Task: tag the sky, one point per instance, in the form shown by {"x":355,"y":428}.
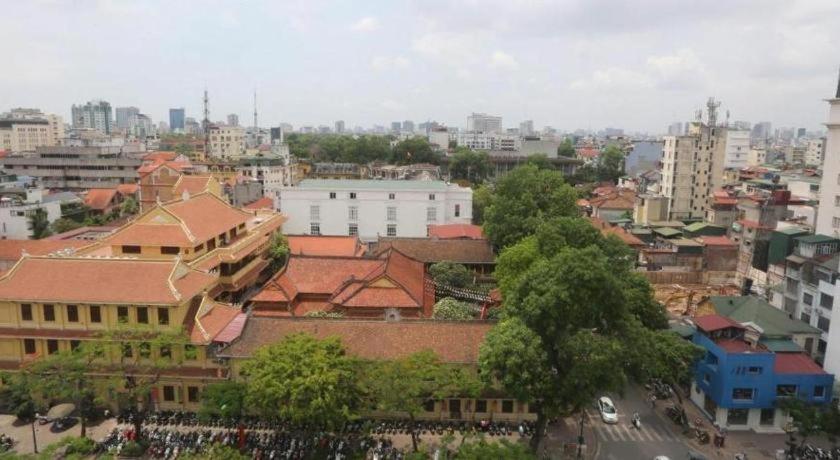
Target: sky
{"x":590,"y":64}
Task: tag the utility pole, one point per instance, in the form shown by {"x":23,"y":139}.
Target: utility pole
{"x":206,"y":123}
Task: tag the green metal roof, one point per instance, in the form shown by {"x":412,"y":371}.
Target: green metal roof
{"x":684,"y":330}
{"x":781,"y":345}
{"x":350,"y":185}
{"x":697,"y":226}
{"x":748,"y":309}
{"x":667,"y":223}
{"x":667,"y":232}
{"x":792,"y":230}
{"x":816,"y":239}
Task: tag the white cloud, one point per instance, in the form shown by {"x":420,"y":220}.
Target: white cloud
{"x":365,"y":24}
{"x":392,"y":105}
{"x":612,"y":78}
{"x":382,"y":63}
{"x":502,"y":60}
{"x":681,"y":70}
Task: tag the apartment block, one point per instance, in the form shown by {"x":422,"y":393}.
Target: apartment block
{"x":828,"y":218}
{"x":226,"y":142}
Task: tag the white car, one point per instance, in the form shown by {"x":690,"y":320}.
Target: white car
{"x":661,"y":457}
{"x":607,"y":410}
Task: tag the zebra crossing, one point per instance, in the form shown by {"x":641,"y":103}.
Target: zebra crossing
{"x":625,"y":432}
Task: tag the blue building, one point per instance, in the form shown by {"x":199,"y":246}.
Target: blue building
{"x":176,"y":119}
{"x":739,"y":381}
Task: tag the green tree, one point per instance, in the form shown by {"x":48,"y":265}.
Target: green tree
{"x":66,"y":376}
{"x":452,"y":309}
{"x":451,"y":274}
{"x":129,"y":206}
{"x":279,"y":250}
{"x":540,"y":160}
{"x":217,"y":451}
{"x":403,"y":385}
{"x":807,"y":420}
{"x":303,"y":379}
{"x":184,"y":148}
{"x":499,"y":450}
{"x":566,"y":149}
{"x":225,"y":399}
{"x":16,"y":397}
{"x":415,"y":150}
{"x":522,"y":200}
{"x":514,"y":261}
{"x":469,"y":165}
{"x":610,"y":164}
{"x":40,"y":223}
{"x":585,"y":174}
{"x":65,"y":225}
{"x":482,"y":198}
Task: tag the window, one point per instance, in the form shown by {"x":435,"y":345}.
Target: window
{"x":165,"y":352}
{"x":332,"y":195}
{"x":131,"y":249}
{"x":392,"y":196}
{"x":429,"y":405}
{"x":835,"y":222}
{"x":26,"y":312}
{"x":145,"y":350}
{"x":74,"y":344}
{"x":837,"y":200}
{"x":707,"y":378}
{"x":742,"y":394}
{"x":807,"y":299}
{"x":457,"y":210}
{"x":353,"y":229}
{"x":127,"y":351}
{"x":143,"y":315}
{"x":391,"y":213}
{"x":352,"y":195}
{"x":785,"y":390}
{"x":190,"y":352}
{"x":754,"y":370}
{"x":95,"y":314}
{"x":768,"y":417}
{"x":315,"y":213}
{"x":806,"y":318}
{"x":431,"y":197}
{"x":122,"y":314}
{"x":737,"y":416}
{"x":353,"y":213}
{"x":198,"y":248}
{"x":819,"y":392}
{"x":823,"y":323}
{"x":507,"y":406}
{"x":170,"y":250}
{"x":163,"y":316}
{"x":29,"y":346}
{"x":192,"y":394}
{"x":481,"y":405}
{"x":826,"y":301}
{"x":49,"y":312}
{"x":168,"y":393}
{"x":314,"y":228}
{"x":52,"y":346}
{"x":711,"y":358}
{"x":431,"y":214}
{"x":72,"y":314}
{"x":392,"y":230}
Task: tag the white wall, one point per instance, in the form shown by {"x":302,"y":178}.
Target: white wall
{"x":737,"y":149}
{"x":14,"y":220}
{"x":372,"y":207}
{"x":828,"y":218}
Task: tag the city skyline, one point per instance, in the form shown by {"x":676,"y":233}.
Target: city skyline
{"x":313,"y":63}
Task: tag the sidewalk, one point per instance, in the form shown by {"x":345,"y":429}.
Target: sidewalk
{"x":22,"y":434}
{"x":565,"y":432}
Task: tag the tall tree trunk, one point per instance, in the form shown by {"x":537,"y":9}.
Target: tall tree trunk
{"x":80,"y":405}
{"x":413,"y":432}
{"x":539,"y":428}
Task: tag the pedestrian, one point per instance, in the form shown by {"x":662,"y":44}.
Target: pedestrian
{"x":652,"y":401}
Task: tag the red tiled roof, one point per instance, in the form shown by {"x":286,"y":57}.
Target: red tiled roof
{"x":456,"y":231}
{"x":211,"y":323}
{"x":433,"y":250}
{"x":746,"y":223}
{"x":619,"y":199}
{"x":263,"y":203}
{"x":711,"y":323}
{"x":103,"y":281}
{"x":12,"y":250}
{"x":336,"y":246}
{"x":607,"y":229}
{"x":100,"y":198}
{"x":193,"y":185}
{"x":128,"y":189}
{"x":161,"y":156}
{"x":453,"y":342}
{"x":796,"y":363}
{"x":716,"y":241}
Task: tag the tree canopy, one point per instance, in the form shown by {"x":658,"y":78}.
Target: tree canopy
{"x":452,"y":309}
{"x":451,"y":274}
{"x":469,"y":165}
{"x":566,"y":149}
{"x":610,"y":164}
{"x":303,"y":379}
{"x":522,"y":200}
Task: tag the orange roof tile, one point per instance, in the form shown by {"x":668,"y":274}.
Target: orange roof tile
{"x":67,"y":280}
{"x":193,"y":185}
{"x":263,"y":203}
{"x":162,"y":155}
{"x":212,"y":321}
{"x":456,"y":231}
{"x":100,"y":198}
{"x":337,"y":246}
{"x":620,"y":199}
{"x":128,"y":189}
{"x":12,"y":250}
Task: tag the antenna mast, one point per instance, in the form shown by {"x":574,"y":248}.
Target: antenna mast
{"x":206,"y":123}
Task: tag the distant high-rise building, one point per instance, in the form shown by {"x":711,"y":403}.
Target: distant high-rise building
{"x":94,"y":115}
{"x":800,"y":133}
{"x":339,"y":126}
{"x":613,"y":132}
{"x":526,"y":128}
{"x":233,"y":119}
{"x":163,"y":127}
{"x":742,"y":125}
{"x":484,"y":123}
{"x":815,"y":152}
{"x":177,"y":120}
{"x":126,"y":117}
{"x":408,"y":126}
{"x":675,"y":129}
{"x":762,"y":130}
{"x":396,"y":126}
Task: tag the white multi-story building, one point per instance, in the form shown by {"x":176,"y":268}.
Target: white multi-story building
{"x":95,"y":115}
{"x":815,"y":152}
{"x":439,"y":137}
{"x":23,"y":130}
{"x":372,"y":208}
{"x":484,"y":123}
{"x":737,"y":149}
{"x":488,"y":141}
{"x":227,"y":141}
{"x":526,"y":128}
{"x":16,"y":215}
{"x":828,"y":217}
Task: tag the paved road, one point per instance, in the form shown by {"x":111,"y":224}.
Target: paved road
{"x":622,"y":441}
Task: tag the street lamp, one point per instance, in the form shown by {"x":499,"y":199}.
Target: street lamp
{"x":34,"y":439}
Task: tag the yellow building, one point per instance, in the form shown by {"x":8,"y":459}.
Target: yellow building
{"x":25,"y":134}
